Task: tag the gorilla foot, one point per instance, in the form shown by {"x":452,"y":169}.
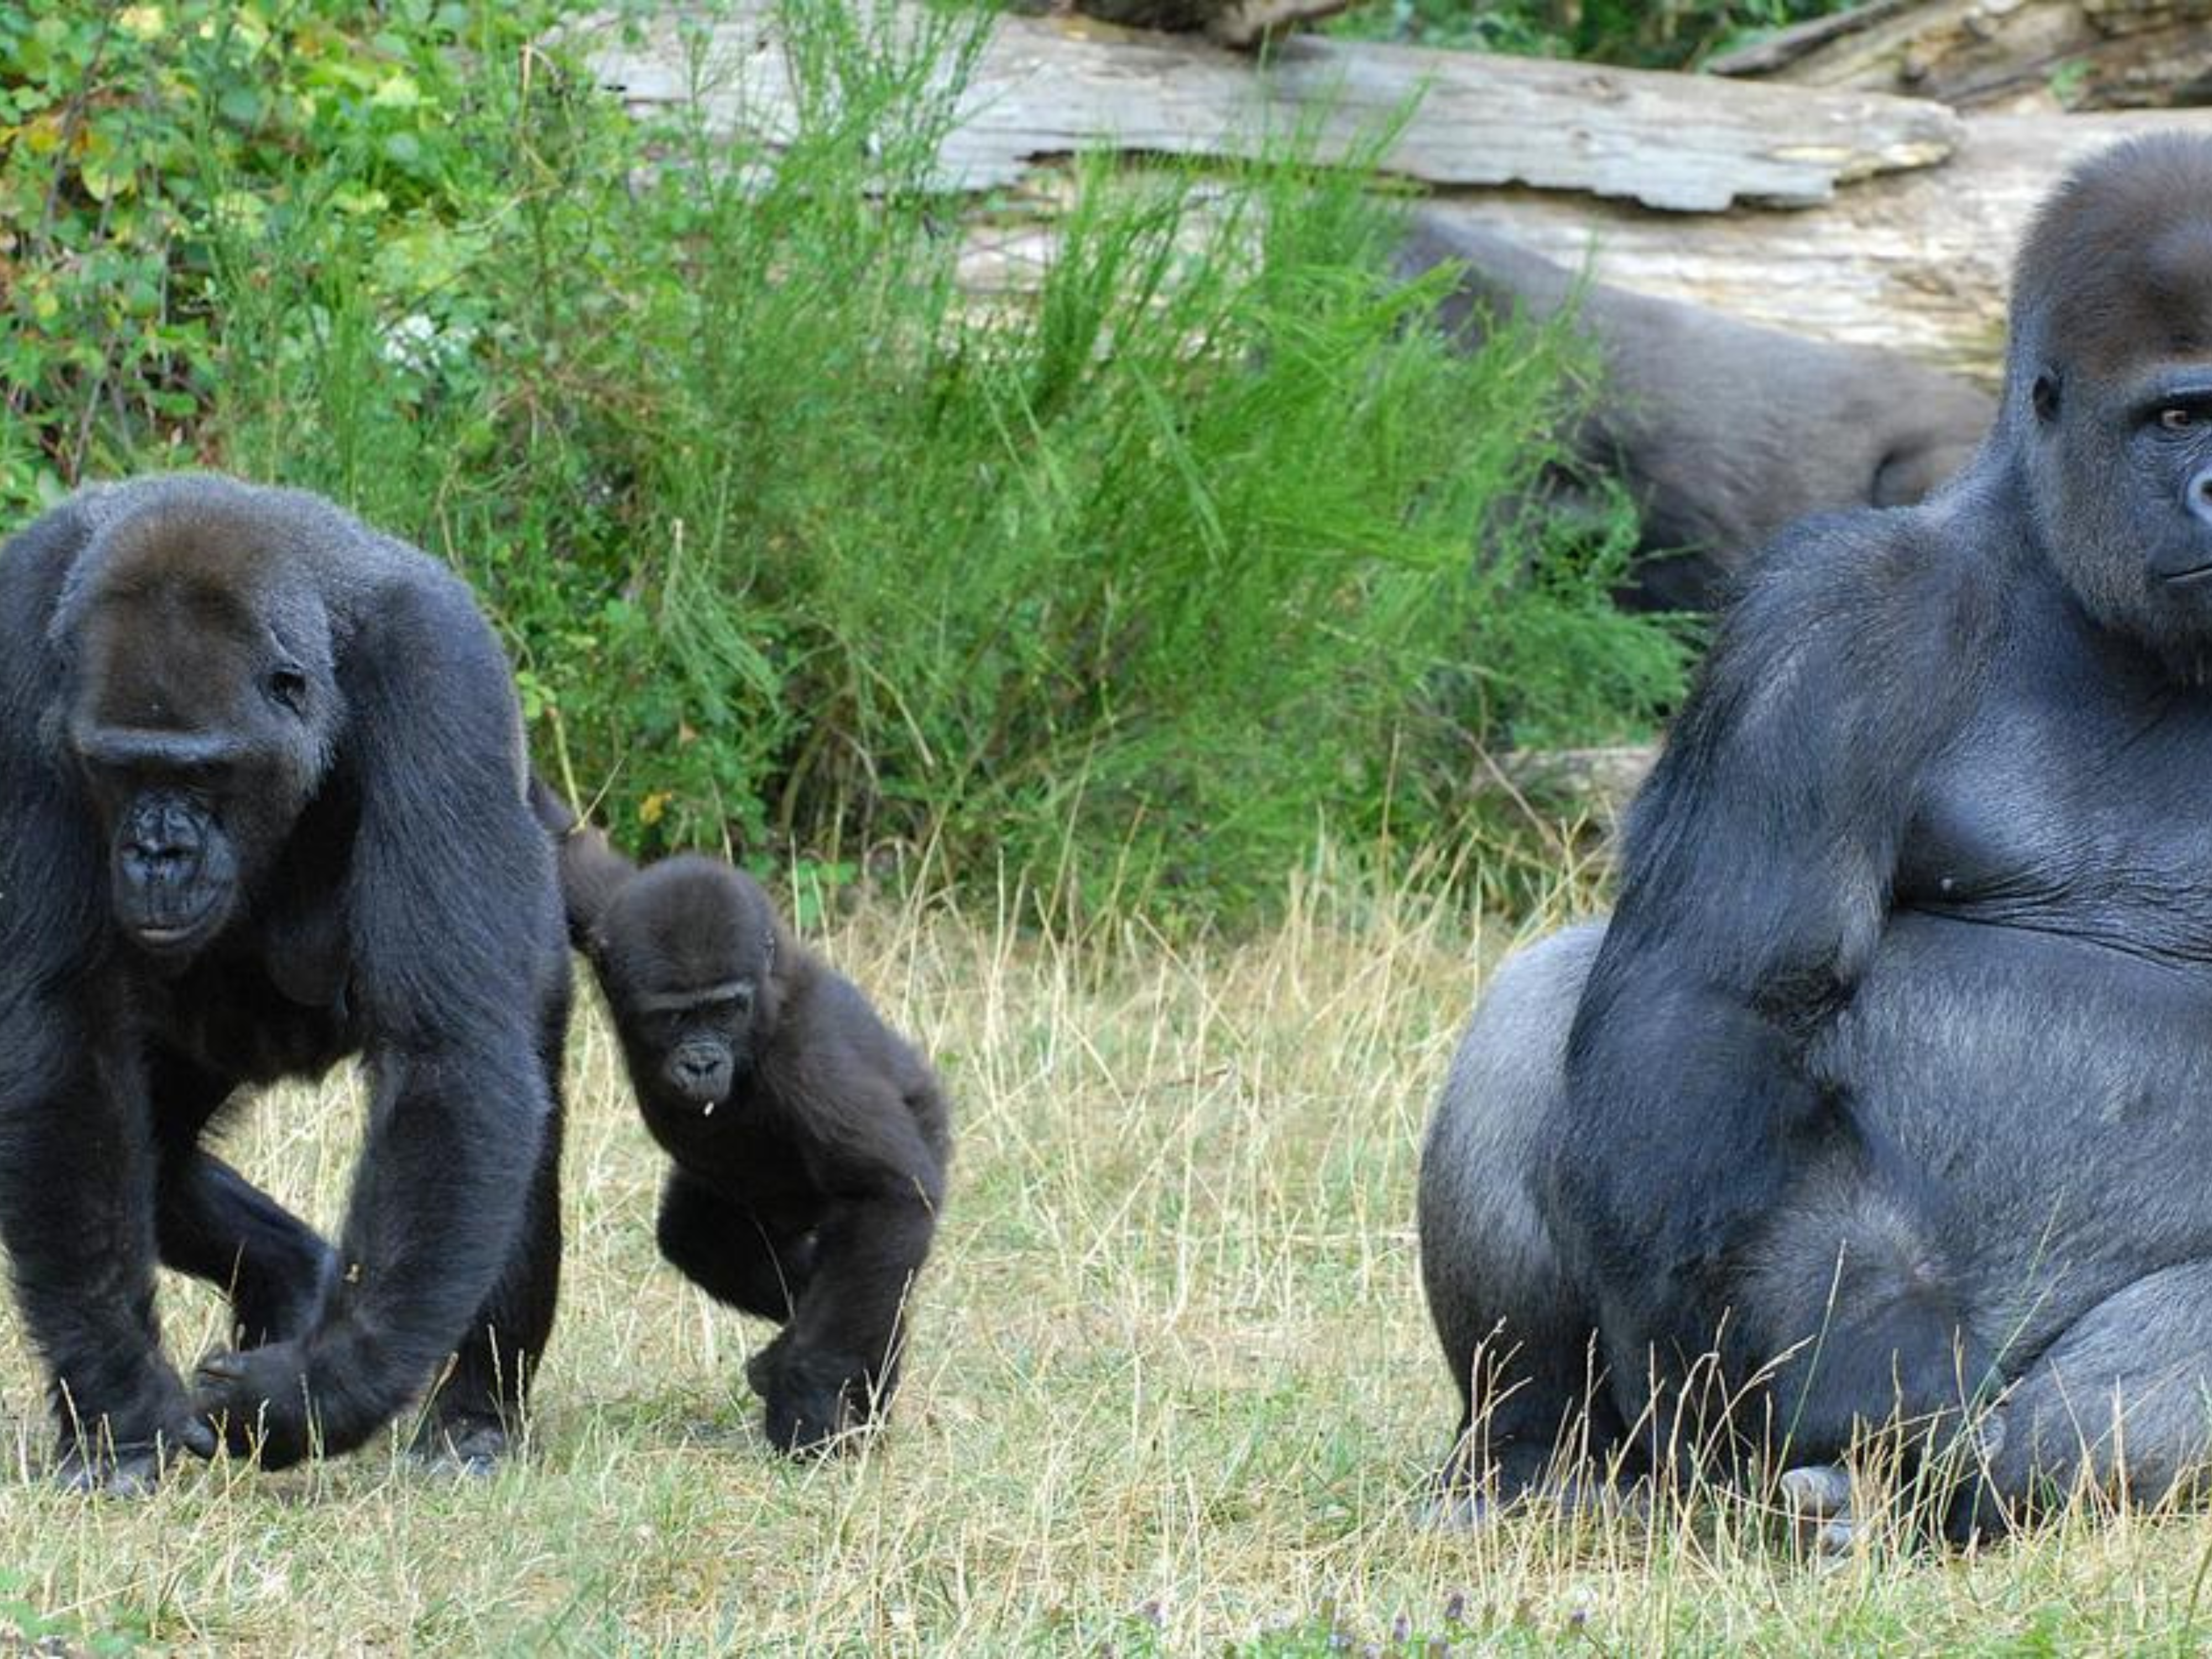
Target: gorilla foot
{"x":1462,"y":1501}
{"x":470,"y":1444}
{"x":1818,"y":1498}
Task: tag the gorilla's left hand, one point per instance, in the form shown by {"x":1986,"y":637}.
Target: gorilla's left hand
{"x":260,"y":1400}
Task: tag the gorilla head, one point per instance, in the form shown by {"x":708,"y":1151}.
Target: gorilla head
{"x":688,"y":948}
{"x":201,"y":711}
{"x":2108,"y":400}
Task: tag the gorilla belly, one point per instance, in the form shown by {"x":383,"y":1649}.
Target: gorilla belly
{"x":2054,"y":1096}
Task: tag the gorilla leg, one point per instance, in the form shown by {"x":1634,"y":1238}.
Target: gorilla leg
{"x":1521,"y":1339}
{"x":216,"y":1225}
{"x":2121,"y":1403}
{"x":212,"y":1223}
{"x":728,"y":1251}
{"x":77,"y":1176}
{"x":478,"y":1408}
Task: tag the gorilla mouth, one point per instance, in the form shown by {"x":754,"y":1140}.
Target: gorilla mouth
{"x":2189,"y":578}
{"x":702,"y":1101}
{"x":168,"y":938}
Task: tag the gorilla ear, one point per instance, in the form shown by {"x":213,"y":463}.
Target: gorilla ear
{"x":2044,"y":395}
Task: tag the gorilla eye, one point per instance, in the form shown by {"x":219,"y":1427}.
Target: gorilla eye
{"x":288,"y":687}
{"x":2178,"y":419}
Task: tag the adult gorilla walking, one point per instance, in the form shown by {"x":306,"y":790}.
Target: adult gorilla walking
{"x":261,"y":806}
{"x":1889,"y":1079}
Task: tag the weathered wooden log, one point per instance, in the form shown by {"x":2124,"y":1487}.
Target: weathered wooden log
{"x":2018,"y":56}
{"x":1048,"y":86}
{"x":1919,"y":262}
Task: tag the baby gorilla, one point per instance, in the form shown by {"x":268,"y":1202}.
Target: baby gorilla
{"x":809,"y":1140}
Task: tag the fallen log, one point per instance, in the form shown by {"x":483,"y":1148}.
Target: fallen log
{"x":2016,"y":56}
{"x":1919,"y":262}
{"x":1047,"y":87}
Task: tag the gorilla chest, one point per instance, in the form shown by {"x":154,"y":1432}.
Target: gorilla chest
{"x":237,"y":1019}
{"x":2077,"y":811}
{"x":742,"y":1149}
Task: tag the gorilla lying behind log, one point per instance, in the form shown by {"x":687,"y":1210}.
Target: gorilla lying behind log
{"x":262,"y":807}
{"x":809,"y":1141}
{"x":1887,"y":1081}
{"x":1722,"y":431}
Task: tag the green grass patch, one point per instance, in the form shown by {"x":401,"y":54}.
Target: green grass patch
{"x":1171,"y":1390}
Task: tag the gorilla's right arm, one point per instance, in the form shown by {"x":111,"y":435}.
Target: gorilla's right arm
{"x":1755,"y":882}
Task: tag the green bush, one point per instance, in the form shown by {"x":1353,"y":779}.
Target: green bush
{"x":1671,"y":34}
{"x":1120,"y":597}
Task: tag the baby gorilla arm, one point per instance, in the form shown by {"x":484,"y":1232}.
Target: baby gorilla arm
{"x":835,"y":1365}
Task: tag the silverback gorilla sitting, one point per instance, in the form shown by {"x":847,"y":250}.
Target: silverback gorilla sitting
{"x":261,"y":807}
{"x":1891,"y":1070}
{"x":809,"y":1140}
{"x":1724,"y":432}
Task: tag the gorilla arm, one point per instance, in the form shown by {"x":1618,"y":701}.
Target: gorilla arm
{"x":72,"y":1133}
{"x":884,"y":1184}
{"x":591,"y":870}
{"x":1755,"y":884}
{"x":449,"y":893}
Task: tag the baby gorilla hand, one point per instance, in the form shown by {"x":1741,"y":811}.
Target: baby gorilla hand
{"x":814,"y":1400}
{"x":260,"y":1401}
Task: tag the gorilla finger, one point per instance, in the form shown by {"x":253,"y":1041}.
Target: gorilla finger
{"x":1835,"y":1541}
{"x":470,"y":1444}
{"x":1816,"y":1491}
{"x":219,"y":1371}
{"x":196,"y":1435}
{"x":127,"y":1475}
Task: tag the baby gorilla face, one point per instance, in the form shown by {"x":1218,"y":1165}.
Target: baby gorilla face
{"x":689,"y":945}
{"x":699,"y":1036}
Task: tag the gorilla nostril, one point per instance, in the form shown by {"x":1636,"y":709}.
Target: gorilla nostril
{"x":2200,"y":496}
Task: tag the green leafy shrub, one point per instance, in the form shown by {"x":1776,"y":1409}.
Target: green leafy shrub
{"x":1121,"y":596}
{"x":1672,"y":35}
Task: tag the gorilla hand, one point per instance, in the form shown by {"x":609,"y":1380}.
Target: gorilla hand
{"x":262,"y":1402}
{"x":125,"y":1456}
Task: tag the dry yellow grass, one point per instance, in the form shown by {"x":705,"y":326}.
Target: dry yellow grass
{"x":1172,"y":1386}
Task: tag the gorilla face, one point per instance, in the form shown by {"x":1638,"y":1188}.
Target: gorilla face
{"x":698,"y":1035}
{"x":200,"y":736}
{"x":2128,"y":505}
{"x":2112,"y":372}
{"x":689,"y":945}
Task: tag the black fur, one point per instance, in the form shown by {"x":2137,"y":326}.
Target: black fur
{"x":1889,"y":1070}
{"x":1723,"y":432}
{"x":262,"y":807}
{"x":809,"y":1141}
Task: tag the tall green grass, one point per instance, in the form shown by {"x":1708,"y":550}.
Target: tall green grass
{"x":1119,"y":593}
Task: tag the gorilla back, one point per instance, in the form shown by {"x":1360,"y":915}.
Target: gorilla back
{"x":1892,"y":1058}
{"x":262,"y":807}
